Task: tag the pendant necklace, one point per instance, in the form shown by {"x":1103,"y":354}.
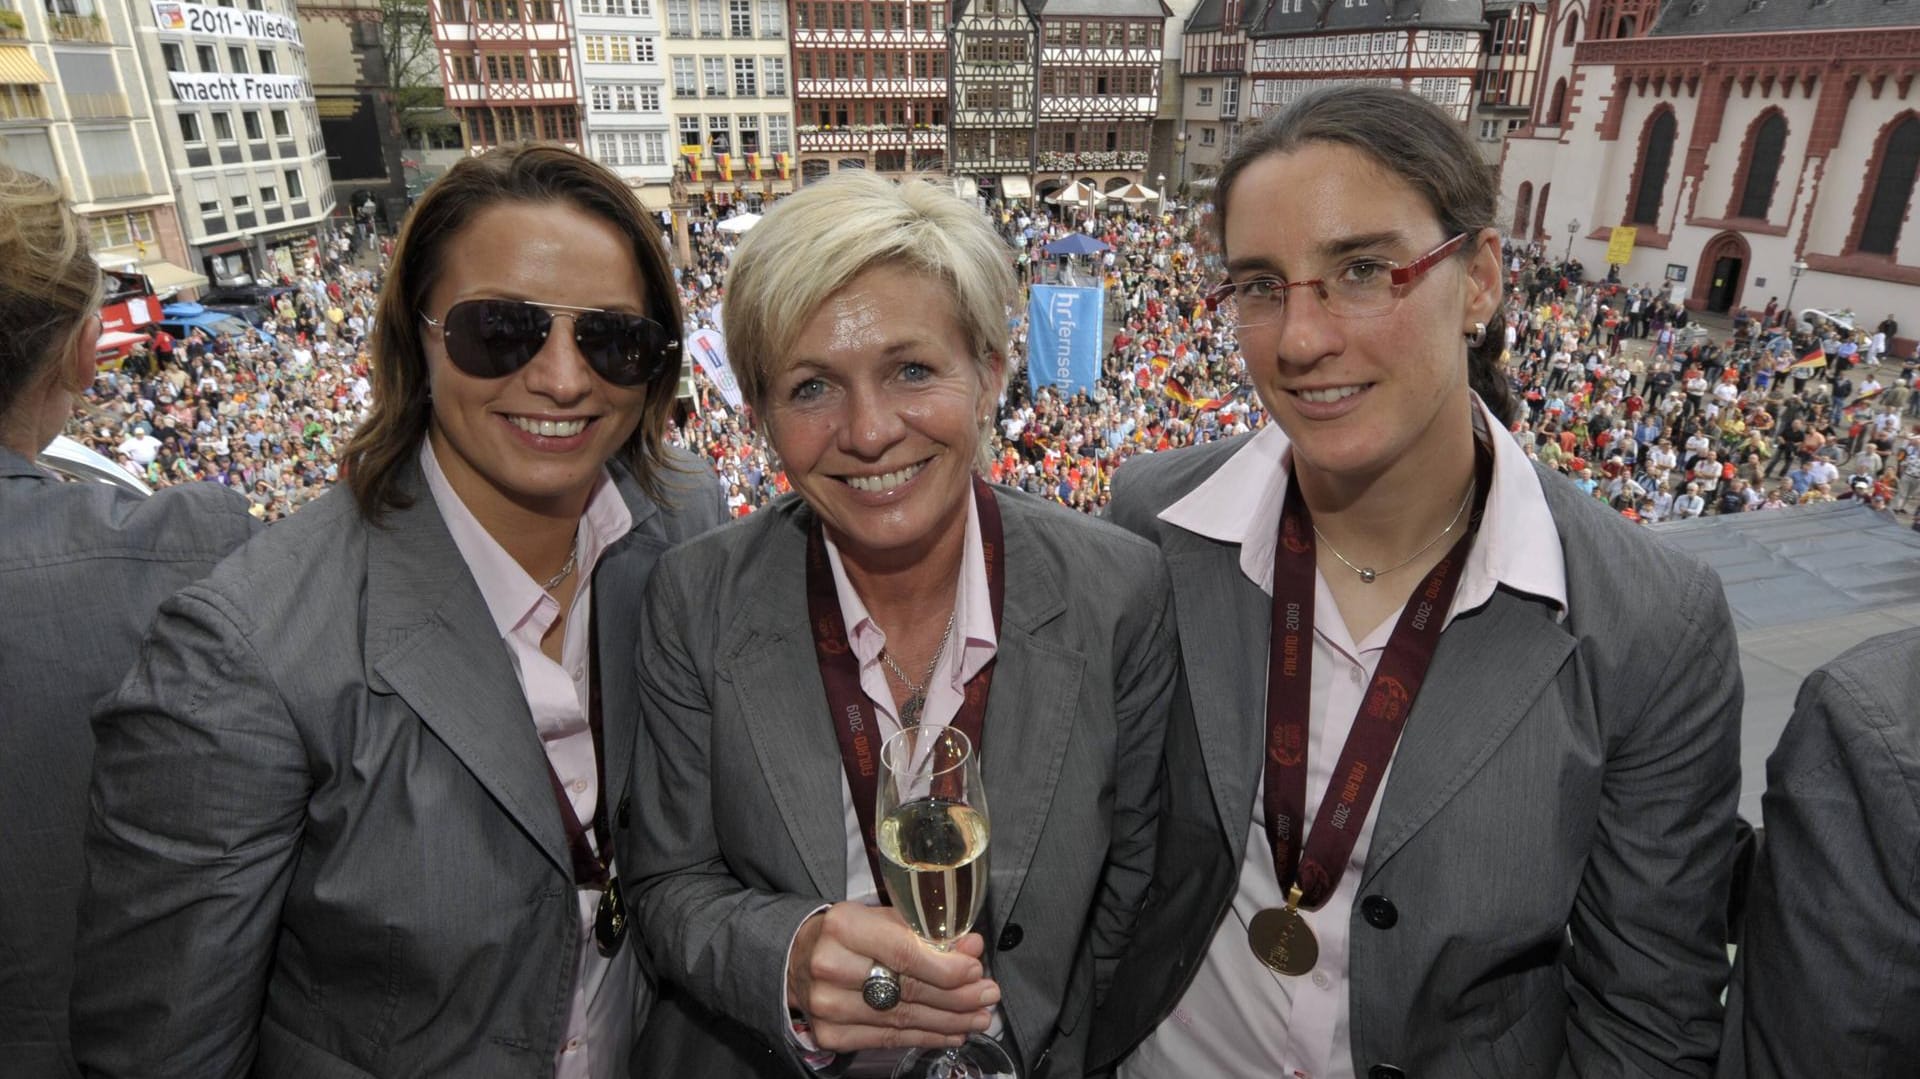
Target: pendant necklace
{"x":573,"y":556}
{"x":1368,"y":574}
{"x":917,"y":691}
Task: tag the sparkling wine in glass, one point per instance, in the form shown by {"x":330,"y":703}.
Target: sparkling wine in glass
{"x":933,"y":835}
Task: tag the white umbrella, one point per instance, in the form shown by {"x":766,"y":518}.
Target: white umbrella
{"x":1135,"y":194}
{"x":739,"y":222}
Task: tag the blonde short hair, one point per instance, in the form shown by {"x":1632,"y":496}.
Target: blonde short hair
{"x":810,"y":245}
{"x":49,"y":283}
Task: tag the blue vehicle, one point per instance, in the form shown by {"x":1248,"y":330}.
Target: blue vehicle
{"x":181,"y":319}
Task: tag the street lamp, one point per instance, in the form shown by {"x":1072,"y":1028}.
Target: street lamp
{"x":1799,"y":267}
{"x":1160,"y":190}
{"x":1572,"y":227}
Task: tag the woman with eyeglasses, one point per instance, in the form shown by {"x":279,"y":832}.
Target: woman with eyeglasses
{"x":1451,"y":777}
{"x":353,"y":811}
{"x":82,"y":568}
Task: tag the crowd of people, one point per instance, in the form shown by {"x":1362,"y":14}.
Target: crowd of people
{"x":1624,"y":390}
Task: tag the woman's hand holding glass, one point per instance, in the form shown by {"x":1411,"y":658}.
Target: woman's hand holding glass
{"x":944,"y":995}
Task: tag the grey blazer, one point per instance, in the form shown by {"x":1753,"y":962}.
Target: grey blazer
{"x":82,"y":569}
{"x":1828,"y":979}
{"x":323,"y":840}
{"x":1546,"y":890}
{"x":739,"y":832}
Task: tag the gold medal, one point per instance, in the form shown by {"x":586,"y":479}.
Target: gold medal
{"x":1282,"y":939}
{"x":610,"y":921}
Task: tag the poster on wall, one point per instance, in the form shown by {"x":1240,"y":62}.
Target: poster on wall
{"x":179,"y":17}
{"x":240,"y":89}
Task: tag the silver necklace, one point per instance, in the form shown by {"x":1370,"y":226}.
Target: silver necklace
{"x":1368,"y":574}
{"x":917,"y":691}
{"x":573,"y":556}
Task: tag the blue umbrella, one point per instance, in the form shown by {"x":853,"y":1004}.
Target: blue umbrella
{"x":1075,"y":244}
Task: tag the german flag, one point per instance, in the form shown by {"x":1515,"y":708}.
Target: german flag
{"x":1813,"y":360}
{"x":783,"y":164}
{"x":753,"y":165}
{"x":723,"y":164}
{"x":692,"y":156}
{"x":1177,"y":390}
{"x":1865,"y":397}
{"x":1158,"y":363}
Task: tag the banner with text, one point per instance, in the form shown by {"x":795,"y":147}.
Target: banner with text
{"x":174,"y":16}
{"x":1063,"y":338}
{"x":240,"y":89}
{"x":710,"y":354}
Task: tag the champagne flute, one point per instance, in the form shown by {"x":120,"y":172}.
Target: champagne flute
{"x":933,"y":835}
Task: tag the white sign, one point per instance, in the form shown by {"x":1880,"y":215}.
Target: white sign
{"x":710,"y":352}
{"x":239,"y":89}
{"x":177,"y":17}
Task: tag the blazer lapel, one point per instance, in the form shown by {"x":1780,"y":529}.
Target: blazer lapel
{"x":1224,"y":621}
{"x":1030,"y":713}
{"x":619,"y":583}
{"x":431,"y":640}
{"x":1491,"y":666}
{"x":767,"y":661}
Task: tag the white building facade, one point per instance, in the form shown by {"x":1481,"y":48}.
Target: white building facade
{"x":729,"y":100}
{"x":624,"y":87}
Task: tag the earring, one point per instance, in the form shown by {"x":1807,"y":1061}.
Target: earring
{"x":1479,"y":335}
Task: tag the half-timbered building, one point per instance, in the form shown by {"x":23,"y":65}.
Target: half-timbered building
{"x":1509,"y":71}
{"x":1213,"y":63}
{"x":507,"y":66}
{"x":1431,"y":47}
{"x":1759,"y":148}
{"x":1099,"y":89}
{"x":995,"y":50}
{"x":870,"y":85}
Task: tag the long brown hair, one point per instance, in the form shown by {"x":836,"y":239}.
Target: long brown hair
{"x":376,"y":457}
{"x":1412,"y":139}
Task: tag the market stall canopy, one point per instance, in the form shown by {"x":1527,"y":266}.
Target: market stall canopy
{"x":1075,"y":244}
{"x":739,"y":223}
{"x":167,"y":277}
{"x":1015,"y":187}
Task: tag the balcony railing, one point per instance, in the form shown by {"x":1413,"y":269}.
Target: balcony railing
{"x":79,"y":28}
{"x":13,"y":25}
{"x":98,"y":106}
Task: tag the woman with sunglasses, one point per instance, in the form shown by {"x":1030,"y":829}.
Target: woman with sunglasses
{"x":1452,"y":776}
{"x":353,"y":810}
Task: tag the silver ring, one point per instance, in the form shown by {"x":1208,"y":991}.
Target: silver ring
{"x":881,"y":990}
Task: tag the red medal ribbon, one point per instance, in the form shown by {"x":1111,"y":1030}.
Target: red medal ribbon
{"x":1383,"y":711}
{"x":589,"y":868}
{"x":853,"y":720}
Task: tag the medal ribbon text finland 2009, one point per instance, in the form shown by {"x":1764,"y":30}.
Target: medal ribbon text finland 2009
{"x":1281,"y":938}
{"x":853,"y":721}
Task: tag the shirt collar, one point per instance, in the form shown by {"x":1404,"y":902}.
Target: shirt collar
{"x":512,"y":595}
{"x":972,"y":613}
{"x":1518,"y":545}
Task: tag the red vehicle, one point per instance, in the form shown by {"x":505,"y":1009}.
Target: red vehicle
{"x":128,"y":308}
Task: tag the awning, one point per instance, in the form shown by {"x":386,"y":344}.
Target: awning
{"x":165,"y":275}
{"x":1015,"y":187}
{"x":115,"y":341}
{"x":19,"y":68}
{"x":655,"y":197}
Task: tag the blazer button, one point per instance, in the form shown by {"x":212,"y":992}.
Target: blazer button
{"x":1385,"y":1071}
{"x":1379,"y":912}
{"x":624,"y":815}
{"x":1011,"y":936}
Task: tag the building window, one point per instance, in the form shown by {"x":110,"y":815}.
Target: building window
{"x":689,"y":131}
{"x":1892,"y":188}
{"x":684,"y":82}
{"x":740,"y":18}
{"x":1557,"y":111}
{"x":620,"y":49}
{"x":629,"y":147}
{"x":595,"y":48}
{"x":648,"y":98}
{"x":1763,"y":165}
{"x":679,"y":18}
{"x":223,"y":127}
{"x":744,"y":82}
{"x":269,"y":196}
{"x":600,"y":97}
{"x":208,"y":57}
{"x":709,"y":18}
{"x":605,"y":149}
{"x":719,"y":135}
{"x":250,"y":121}
{"x":773,"y":18}
{"x":653,"y":148}
{"x":237,"y":56}
{"x":1656,"y":154}
{"x":267,"y":65}
{"x":1522,"y":207}
{"x":643,"y":50}
{"x":1489,"y":131}
{"x":1206,"y":96}
{"x":779,"y":134}
{"x":190,"y":132}
{"x":713,"y":75}
{"x":174,"y":56}
{"x":1208,"y":136}
{"x":749,"y":126}
{"x":774,"y":68}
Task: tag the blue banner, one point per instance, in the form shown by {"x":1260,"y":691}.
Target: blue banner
{"x":1063,"y":338}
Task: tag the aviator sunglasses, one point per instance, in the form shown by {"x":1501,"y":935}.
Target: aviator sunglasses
{"x":495,"y":338}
